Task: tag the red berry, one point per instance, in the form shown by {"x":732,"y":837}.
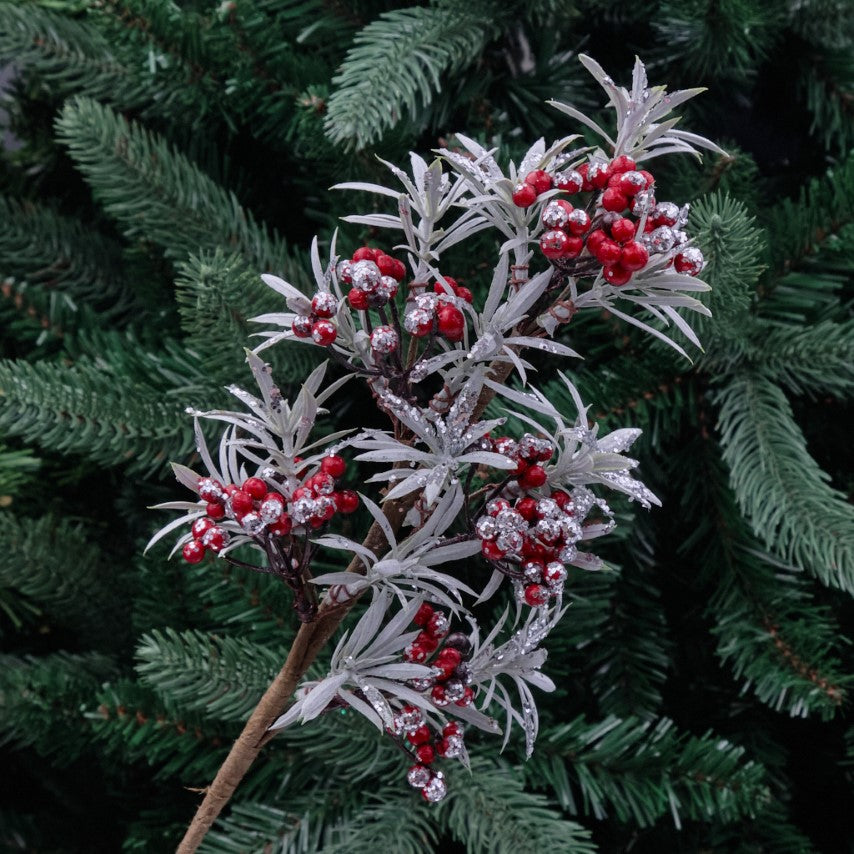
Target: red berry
{"x":301,"y":326}
{"x":617,"y":275}
{"x":440,"y":288}
{"x":533,"y":550}
{"x":438,"y":626}
{"x":631,"y":183}
{"x":634,"y":256}
{"x":451,"y":322}
{"x":452,"y":728}
{"x":560,"y":498}
{"x":321,"y":483}
{"x":545,"y":455}
{"x":438,"y":695}
{"x":365,"y":253}
{"x":193,"y":551}
{"x":210,"y":489}
{"x":521,"y":466}
{"x":497,"y":505}
{"x":540,"y":180}
{"x":416,"y":653}
{"x":346,"y":501}
{"x":490,"y":550}
{"x":608,"y":252}
{"x":579,"y":222}
{"x":467,"y":698}
{"x":255,"y":487}
{"x":423,"y":615}
{"x":200,"y":526}
{"x":536,"y":594}
{"x":535,"y":476}
{"x":333,"y":465}
{"x":595,"y":240}
{"x":399,"y":272}
{"x":623,"y":230}
{"x":553,"y":244}
{"x":465,"y":294}
{"x":648,"y":176}
{"x":599,"y":175}
{"x":623,"y":163}
{"x":241,"y":503}
{"x":300,"y":492}
{"x":358,"y":299}
{"x":524,"y":196}
{"x":419,"y":736}
{"x":570,"y":181}
{"x":425,"y":754}
{"x":556,"y":213}
{"x":574,"y":245}
{"x":449,"y":658}
{"x":527,"y":508}
{"x":214,"y":539}
{"x":614,"y":200}
{"x":215,"y":510}
{"x":427,"y":640}
{"x":324,"y":304}
{"x":282,"y":526}
{"x":583,"y":170}
{"x":387,"y":265}
{"x":323,"y":332}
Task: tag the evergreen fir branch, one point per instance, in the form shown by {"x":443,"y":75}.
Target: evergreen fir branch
{"x":174,"y":204}
{"x":78,"y":409}
{"x":41,"y":700}
{"x":216,"y":295}
{"x":54,"y":563}
{"x":224,"y":677}
{"x":395,"y":66}
{"x":640,"y":771}
{"x":17,"y":468}
{"x":490,"y":811}
{"x":828,"y":84}
{"x":784,"y":494}
{"x":771,"y":830}
{"x":768,"y":627}
{"x":63,"y":259}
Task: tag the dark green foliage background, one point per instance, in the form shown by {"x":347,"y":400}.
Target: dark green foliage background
{"x":160,"y":155}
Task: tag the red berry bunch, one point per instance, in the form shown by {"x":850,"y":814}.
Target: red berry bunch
{"x":564,"y":225}
{"x":438,"y":311}
{"x":537,"y":534}
{"x":411,"y":725}
{"x":318,"y":326}
{"x":373,"y":277}
{"x":256,"y":508}
{"x":528,"y":453}
{"x":535,"y":184}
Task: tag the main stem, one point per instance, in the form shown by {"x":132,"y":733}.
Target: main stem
{"x":310,"y":639}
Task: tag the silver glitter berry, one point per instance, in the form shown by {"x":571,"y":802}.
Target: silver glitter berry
{"x":635,"y":179}
{"x":496,"y":506}
{"x":642,"y":200}
{"x":667,"y":212}
{"x":548,"y":530}
{"x":436,"y":789}
{"x":486,"y":528}
{"x":555,"y":573}
{"x":302,"y":325}
{"x":571,"y":181}
{"x":568,"y":553}
{"x":532,"y":570}
{"x":548,"y":508}
{"x":252,"y":523}
{"x":303,"y":509}
{"x":366,"y":276}
{"x":420,"y":684}
{"x":578,"y":217}
{"x":453,"y":747}
{"x":387,"y":287}
{"x":419,"y":776}
{"x":660,"y":239}
{"x":510,"y":542}
{"x":555,"y":215}
{"x":509,"y":520}
{"x":454,"y":690}
{"x":417,"y":319}
{"x":679,"y":237}
{"x":507,"y":447}
{"x":384,"y":340}
{"x":271,"y":509}
{"x":344,"y":271}
{"x":693,"y":258}
{"x":411,"y":719}
{"x":324,"y":304}
{"x":214,"y":533}
{"x":427,"y":302}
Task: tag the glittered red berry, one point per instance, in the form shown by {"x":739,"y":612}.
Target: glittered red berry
{"x":582,"y":170}
{"x":425,"y":754}
{"x":614,"y":200}
{"x":560,"y":498}
{"x":365,"y":253}
{"x":540,"y":180}
{"x":346,"y":501}
{"x":241,"y":502}
{"x":282,"y":526}
{"x":210,"y":489}
{"x":579,"y":222}
{"x":427,"y":640}
{"x":527,"y":508}
{"x":623,"y":163}
{"x":465,"y":294}
{"x":608,"y":252}
{"x":556,"y":213}
{"x":423,"y":614}
{"x":536,"y":594}
{"x":419,"y":736}
{"x":467,"y":698}
{"x":215,"y":510}
{"x":553,"y":244}
{"x":524,"y":196}
{"x":617,"y":275}
{"x":622,"y":230}
{"x":634,"y":256}
{"x":535,"y":476}
{"x":490,"y":550}
{"x":416,"y":653}
{"x":255,"y":487}
{"x":648,"y":178}
{"x":214,"y":539}
{"x":631,"y":183}
{"x":301,"y":326}
{"x":200,"y":526}
{"x":333,"y":465}
{"x":324,"y":304}
{"x":193,"y":551}
{"x":358,"y":299}
{"x":451,"y":322}
{"x":452,"y":728}
{"x":438,"y":695}
{"x":570,"y":181}
{"x":323,"y":333}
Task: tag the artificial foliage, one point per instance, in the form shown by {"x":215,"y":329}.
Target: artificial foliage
{"x":159,"y":158}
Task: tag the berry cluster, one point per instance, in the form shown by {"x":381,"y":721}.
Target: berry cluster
{"x":373,"y":277}
{"x":256,"y":508}
{"x":539,"y":535}
{"x":318,"y":325}
{"x":410,"y":723}
{"x":527,"y":453}
{"x":439,"y":311}
{"x":622,"y":245}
